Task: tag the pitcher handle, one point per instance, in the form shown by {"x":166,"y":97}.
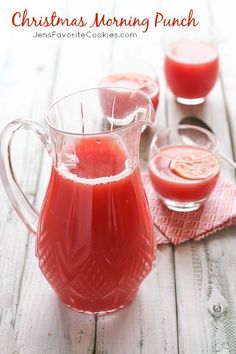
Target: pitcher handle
{"x":19,"y":201}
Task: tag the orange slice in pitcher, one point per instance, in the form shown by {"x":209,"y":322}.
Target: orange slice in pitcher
{"x":195,"y":165}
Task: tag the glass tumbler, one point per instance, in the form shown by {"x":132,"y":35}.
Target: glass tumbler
{"x":184,"y":166}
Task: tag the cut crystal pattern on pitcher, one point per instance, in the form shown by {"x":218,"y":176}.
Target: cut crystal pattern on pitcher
{"x":96,"y":267}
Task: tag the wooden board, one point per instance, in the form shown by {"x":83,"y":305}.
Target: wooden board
{"x":204,"y":269}
{"x":223,"y":27}
{"x":43,"y":324}
{"x":31,"y":320}
{"x":148,"y":324}
{"x":145,"y":326}
{"x":187,"y":304}
{"x":20,"y":86}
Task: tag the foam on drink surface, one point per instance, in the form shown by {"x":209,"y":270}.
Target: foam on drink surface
{"x":192,"y":52}
{"x":64,"y":171}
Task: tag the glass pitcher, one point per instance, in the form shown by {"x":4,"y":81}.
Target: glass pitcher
{"x":95,"y":241}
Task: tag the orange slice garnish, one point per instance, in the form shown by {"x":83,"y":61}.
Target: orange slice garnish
{"x":195,"y":165}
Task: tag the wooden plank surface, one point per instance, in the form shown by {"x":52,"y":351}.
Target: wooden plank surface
{"x":204,"y":269}
{"x":176,"y":308}
{"x":225,"y":39}
{"x":21,"y":82}
{"x":149,"y":324}
{"x":31,"y":319}
{"x":52,"y":328}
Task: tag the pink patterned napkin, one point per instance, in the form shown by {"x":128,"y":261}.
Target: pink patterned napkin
{"x":218,"y":212}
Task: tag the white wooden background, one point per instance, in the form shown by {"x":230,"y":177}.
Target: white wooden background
{"x":174,"y":310}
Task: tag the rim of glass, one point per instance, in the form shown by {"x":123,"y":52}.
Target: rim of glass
{"x":167,"y":48}
{"x":153,"y":76}
{"x":213,"y":138}
{"x":143,"y":122}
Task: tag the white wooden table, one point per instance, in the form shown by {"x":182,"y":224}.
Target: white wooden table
{"x":173,"y":310}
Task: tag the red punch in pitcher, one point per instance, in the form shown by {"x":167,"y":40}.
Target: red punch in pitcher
{"x":95,"y":242}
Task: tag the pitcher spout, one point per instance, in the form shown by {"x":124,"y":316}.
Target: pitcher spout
{"x":123,"y":106}
{"x":150,"y":115}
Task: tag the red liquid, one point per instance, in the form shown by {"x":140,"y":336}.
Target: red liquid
{"x":171,"y":185}
{"x":124,"y":102}
{"x":191,"y":68}
{"x":95,"y":237}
